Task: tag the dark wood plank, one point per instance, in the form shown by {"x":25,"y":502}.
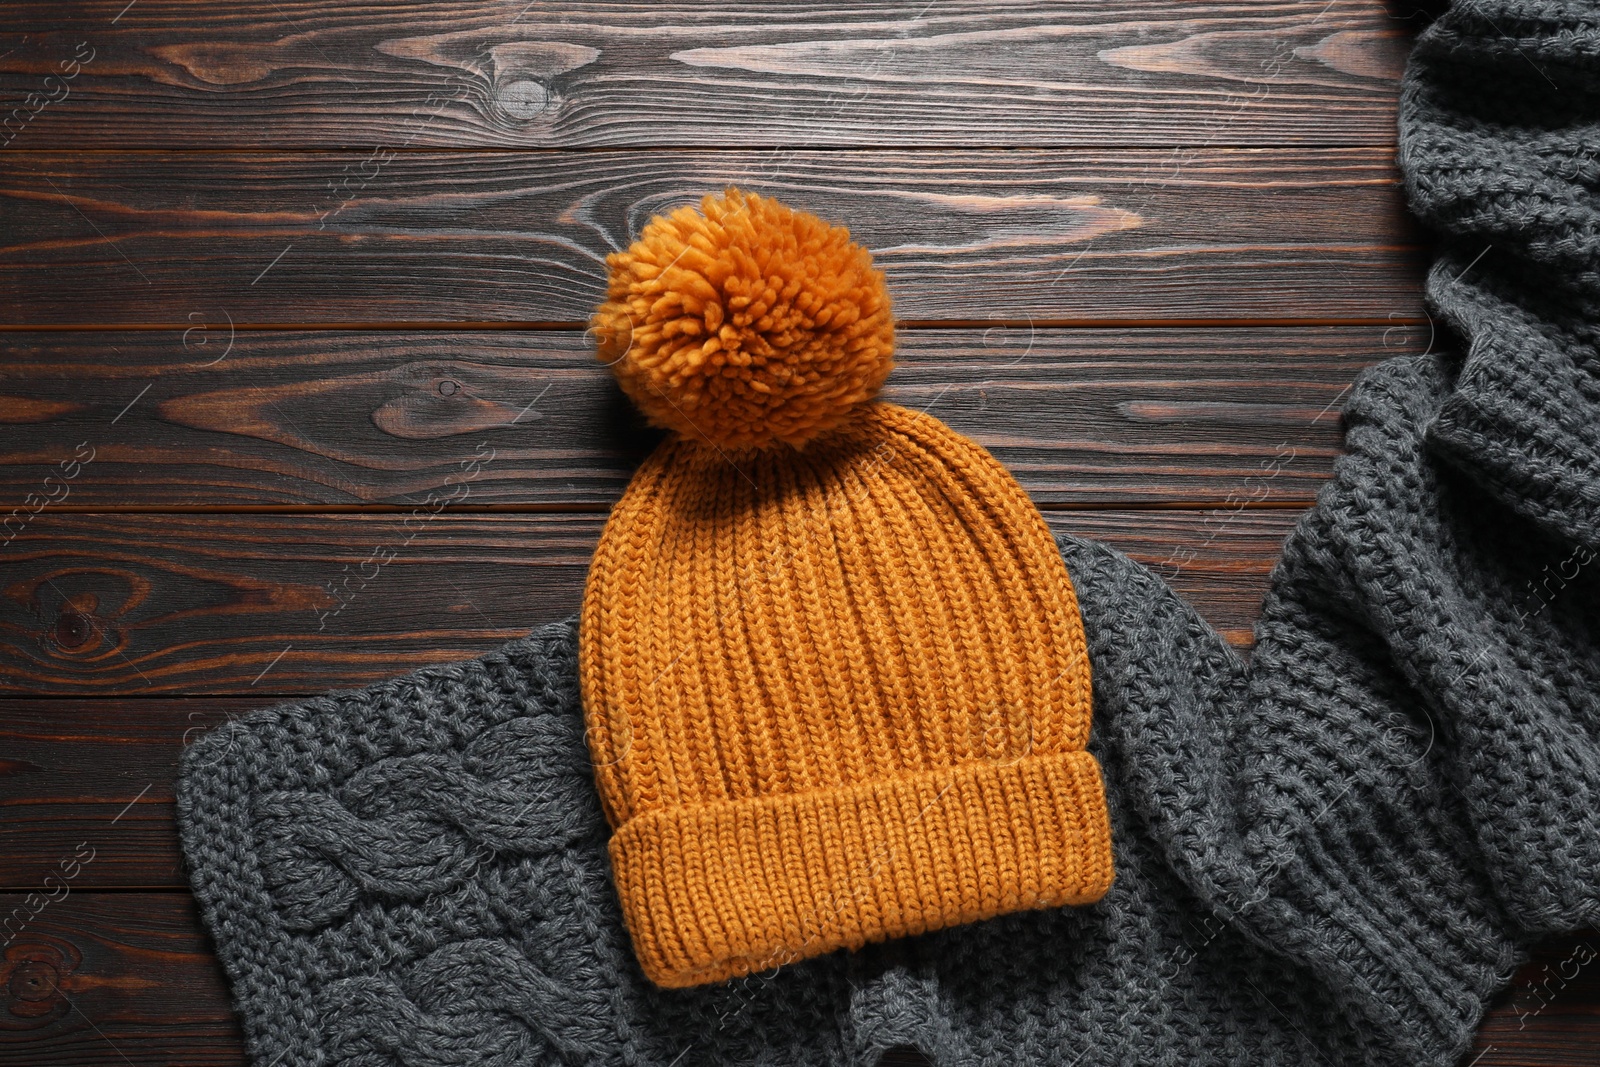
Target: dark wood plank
{"x":219,"y":603}
{"x":92,"y":778}
{"x":1044,"y":237}
{"x":1550,"y":1014}
{"x":127,"y":980}
{"x":91,"y":979}
{"x":208,"y":416}
{"x":295,"y":73}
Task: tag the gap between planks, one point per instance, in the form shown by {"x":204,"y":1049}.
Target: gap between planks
{"x":1286,"y":504}
{"x":506,"y":325}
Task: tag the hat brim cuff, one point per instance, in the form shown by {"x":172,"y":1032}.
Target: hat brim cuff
{"x":718,"y":890}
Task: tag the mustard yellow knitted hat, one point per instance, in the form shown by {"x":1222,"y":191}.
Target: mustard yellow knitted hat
{"x":832,"y":665}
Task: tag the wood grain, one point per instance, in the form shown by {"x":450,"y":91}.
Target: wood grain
{"x":94,"y":777}
{"x":295,"y":74}
{"x":209,"y":417}
{"x":128,"y":980}
{"x":101,"y":979}
{"x":205,"y":604}
{"x":1549,"y":1016}
{"x":1039,"y":237}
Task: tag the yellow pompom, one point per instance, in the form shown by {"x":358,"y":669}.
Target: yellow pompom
{"x":746,"y":323}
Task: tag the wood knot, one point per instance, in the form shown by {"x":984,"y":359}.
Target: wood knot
{"x":448,"y":397}
{"x":524,"y":99}
{"x":80,"y":609}
{"x":32,"y":974}
{"x":522,"y":72}
{"x":73,"y":629}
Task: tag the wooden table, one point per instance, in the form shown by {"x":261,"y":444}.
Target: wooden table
{"x":273,"y":277}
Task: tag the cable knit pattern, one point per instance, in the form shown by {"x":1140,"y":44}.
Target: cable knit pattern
{"x":1334,"y":853}
{"x":408,"y":826}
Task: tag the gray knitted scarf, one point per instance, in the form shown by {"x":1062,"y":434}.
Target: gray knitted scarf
{"x":1334,"y":853}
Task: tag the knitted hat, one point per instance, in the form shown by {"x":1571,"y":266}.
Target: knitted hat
{"x":831,"y":662}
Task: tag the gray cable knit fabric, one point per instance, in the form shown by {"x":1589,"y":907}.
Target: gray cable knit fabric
{"x":1334,"y":853}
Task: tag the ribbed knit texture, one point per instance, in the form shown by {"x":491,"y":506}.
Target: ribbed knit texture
{"x":1332,"y":854}
{"x":834,"y":696}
